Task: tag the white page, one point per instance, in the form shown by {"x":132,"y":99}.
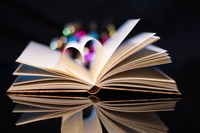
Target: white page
{"x":22,"y":108}
{"x":72,"y":124}
{"x":51,"y":101}
{"x":32,"y":117}
{"x":45,"y":80}
{"x":152,"y":74}
{"x":78,"y":69}
{"x":137,"y":65}
{"x":128,"y":48}
{"x":140,"y":88}
{"x":92,"y":123}
{"x":148,"y":53}
{"x":26,"y":70}
{"x":143,"y":87}
{"x":29,"y":79}
{"x":115,"y":124}
{"x":139,"y":121}
{"x":111,"y":45}
{"x":108,"y":127}
{"x":39,"y":55}
{"x":113,"y":42}
{"x":26,"y":118}
{"x":140,"y":82}
{"x":140,"y":107}
{"x":44,"y":107}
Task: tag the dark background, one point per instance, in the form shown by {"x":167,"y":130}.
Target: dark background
{"x":177,"y":22}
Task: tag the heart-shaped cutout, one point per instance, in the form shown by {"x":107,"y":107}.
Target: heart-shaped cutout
{"x":79,"y":70}
{"x":86,"y":58}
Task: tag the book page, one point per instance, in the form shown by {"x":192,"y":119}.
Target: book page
{"x":49,"y":85}
{"x":27,"y":108}
{"x":128,"y":48}
{"x":27,"y":70}
{"x":144,"y":89}
{"x":92,"y":123}
{"x":26,"y":118}
{"x":72,"y":124}
{"x":140,"y":87}
{"x":139,"y":107}
{"x":33,"y":117}
{"x":42,"y":57}
{"x":29,"y":79}
{"x":49,"y":82}
{"x":152,"y":74}
{"x":113,"y":42}
{"x":40,"y":79}
{"x":39,"y":55}
{"x":108,"y":126}
{"x":143,"y":80}
{"x":133,"y":82}
{"x":112,"y":125}
{"x":146,"y":55}
{"x":78,"y":69}
{"x":48,"y":89}
{"x":154,"y":61}
{"x":143,"y":122}
{"x":53,"y":101}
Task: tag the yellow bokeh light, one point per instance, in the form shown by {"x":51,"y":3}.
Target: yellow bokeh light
{"x":111,"y":32}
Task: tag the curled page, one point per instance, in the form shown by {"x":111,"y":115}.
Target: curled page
{"x":72,"y":124}
{"x":78,"y":69}
{"x":92,"y":123}
{"x":112,"y":44}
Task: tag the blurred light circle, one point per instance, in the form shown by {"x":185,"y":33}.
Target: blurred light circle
{"x":80,"y":34}
{"x":94,"y":34}
{"x":110,"y":27}
{"x":72,"y":29}
{"x":63,"y":39}
{"x":59,"y":43}
{"x":66,"y":31}
{"x":71,"y":39}
{"x":53,"y":45}
{"x":104,"y":35}
{"x":111,"y":32}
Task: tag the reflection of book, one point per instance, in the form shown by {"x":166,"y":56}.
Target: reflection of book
{"x":116,"y":66}
{"x":133,"y":115}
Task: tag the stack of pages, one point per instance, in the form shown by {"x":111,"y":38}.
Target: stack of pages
{"x":118,"y":65}
{"x":116,"y":115}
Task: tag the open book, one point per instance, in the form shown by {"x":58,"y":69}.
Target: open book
{"x":118,"y":65}
{"x":120,"y":115}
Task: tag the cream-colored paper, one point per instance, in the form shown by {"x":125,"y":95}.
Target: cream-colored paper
{"x":119,"y":64}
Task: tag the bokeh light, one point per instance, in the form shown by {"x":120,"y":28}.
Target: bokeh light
{"x":71,"y":39}
{"x":59,"y":43}
{"x":74,"y":31}
{"x":94,"y":34}
{"x":111,"y":32}
{"x":53,"y":45}
{"x":63,"y":39}
{"x":66,"y":31}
